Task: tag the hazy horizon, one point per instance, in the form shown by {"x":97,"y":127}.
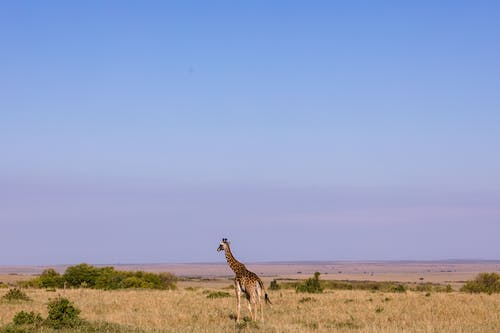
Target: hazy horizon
{"x":146,"y":132}
{"x":302,"y":262}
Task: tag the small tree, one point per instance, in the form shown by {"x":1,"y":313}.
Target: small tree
{"x":274,"y":285}
{"x":62,"y":313}
{"x":109,"y":278}
{"x":483,"y":283}
{"x":150,"y":280}
{"x":133,"y":282}
{"x":50,"y":279}
{"x":169,"y":280}
{"x":311,"y":285}
{"x":81,"y":275}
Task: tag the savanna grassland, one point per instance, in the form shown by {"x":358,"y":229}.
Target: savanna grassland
{"x":188,"y":309}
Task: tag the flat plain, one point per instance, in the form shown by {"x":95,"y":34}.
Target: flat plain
{"x":188,"y":309}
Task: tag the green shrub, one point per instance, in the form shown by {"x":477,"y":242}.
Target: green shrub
{"x":399,"y":288}
{"x":274,"y":285}
{"x":218,"y":294}
{"x":16,"y":294}
{"x":82,"y":275}
{"x":149,"y":280}
{"x":424,"y":287}
{"x":169,"y":280}
{"x":87,"y":276}
{"x":311,"y":285}
{"x":62,"y":313}
{"x":432,"y":287}
{"x":132,"y":282}
{"x":383,"y":286}
{"x":27,"y":318}
{"x":483,"y":283}
{"x":108,"y":278}
{"x":50,"y":279}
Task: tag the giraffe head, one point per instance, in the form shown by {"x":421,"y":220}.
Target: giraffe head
{"x":224,"y":244}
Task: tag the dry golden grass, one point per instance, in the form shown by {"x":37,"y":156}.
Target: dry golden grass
{"x":190,"y":310}
{"x":14,"y":278}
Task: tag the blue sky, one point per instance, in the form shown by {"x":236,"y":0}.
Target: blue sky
{"x":147,"y":131}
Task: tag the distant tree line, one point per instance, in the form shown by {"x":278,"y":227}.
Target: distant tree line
{"x":88,"y":276}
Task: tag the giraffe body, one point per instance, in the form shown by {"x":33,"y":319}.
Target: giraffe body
{"x":246,"y":283}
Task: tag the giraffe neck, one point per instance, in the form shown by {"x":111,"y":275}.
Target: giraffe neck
{"x":234,"y":264}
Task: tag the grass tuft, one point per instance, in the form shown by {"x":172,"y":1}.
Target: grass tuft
{"x":218,"y":294}
{"x":16,"y":294}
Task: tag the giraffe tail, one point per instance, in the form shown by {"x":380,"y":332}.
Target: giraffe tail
{"x":266,"y":297}
{"x":268,"y":301}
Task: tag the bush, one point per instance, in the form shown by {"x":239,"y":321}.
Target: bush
{"x":383,"y":286}
{"x":81,"y":275}
{"x":218,"y":294}
{"x":399,"y":288}
{"x":433,"y":287}
{"x":62,"y":313}
{"x":133,"y":282}
{"x":50,"y":279}
{"x":274,"y":285}
{"x":483,"y":283}
{"x":306,"y":299}
{"x":109,"y":278}
{"x":311,"y":285}
{"x":16,"y":294}
{"x":84,"y":275}
{"x":149,"y":280}
{"x":87,"y":276}
{"x":169,"y":280}
{"x":24,"y":322}
{"x":27,"y":318}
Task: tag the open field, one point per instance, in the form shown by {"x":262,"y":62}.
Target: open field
{"x":188,"y":309}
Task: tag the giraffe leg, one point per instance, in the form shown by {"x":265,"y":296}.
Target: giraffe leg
{"x":253,"y":300}
{"x":259,"y":300}
{"x":256,"y":309}
{"x":238,"y":296}
{"x":238,"y":313}
{"x":250,"y":308}
{"x":261,"y":309}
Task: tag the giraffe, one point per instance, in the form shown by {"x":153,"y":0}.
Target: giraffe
{"x":245,"y":282}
